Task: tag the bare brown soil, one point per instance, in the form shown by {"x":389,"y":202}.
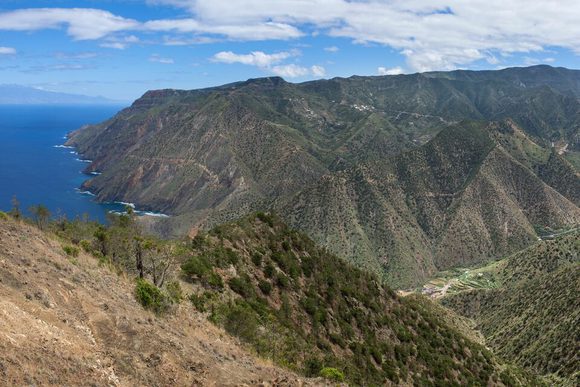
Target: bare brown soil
{"x":66,"y":321}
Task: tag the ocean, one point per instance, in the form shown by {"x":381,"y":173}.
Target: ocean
{"x":36,"y":170}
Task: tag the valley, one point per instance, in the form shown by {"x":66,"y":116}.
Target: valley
{"x":399,"y":230}
{"x":438,"y":170}
{"x":290,"y":193}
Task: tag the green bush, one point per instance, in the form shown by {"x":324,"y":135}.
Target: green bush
{"x":269,"y":270}
{"x":71,"y":251}
{"x":332,"y":374}
{"x":241,"y":321}
{"x":242,"y":286}
{"x":3,"y":215}
{"x":174,"y":292}
{"x":86,"y":245}
{"x":282,"y":280}
{"x":195,"y":267}
{"x":265,"y":287}
{"x":257,"y":259}
{"x":150,"y":296}
{"x":265,"y":218}
{"x":312,"y":366}
{"x":215,"y":281}
{"x":198,"y":302}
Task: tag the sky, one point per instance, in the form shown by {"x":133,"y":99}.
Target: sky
{"x":121,"y":48}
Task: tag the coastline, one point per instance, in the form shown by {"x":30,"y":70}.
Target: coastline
{"x":97,"y":173}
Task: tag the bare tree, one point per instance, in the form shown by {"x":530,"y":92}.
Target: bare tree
{"x":162,"y":258}
{"x":41,"y":215}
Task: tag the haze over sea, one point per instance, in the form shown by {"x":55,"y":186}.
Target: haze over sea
{"x":36,"y":171}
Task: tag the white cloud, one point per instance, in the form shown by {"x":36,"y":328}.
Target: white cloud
{"x":432,"y":34}
{"x":331,"y":49}
{"x":290,"y":71}
{"x":81,"y":23}
{"x":390,"y":71}
{"x":77,"y":55}
{"x":119,"y":43}
{"x":255,"y":58}
{"x":271,"y":63}
{"x":7,"y":51}
{"x":318,"y":71}
{"x":115,"y":45}
{"x":529,"y":61}
{"x":257,"y":31}
{"x":158,"y":59}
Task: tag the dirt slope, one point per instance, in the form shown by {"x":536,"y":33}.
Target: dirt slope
{"x":71,"y":322}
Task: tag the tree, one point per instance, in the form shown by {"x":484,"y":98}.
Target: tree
{"x":102,"y":237}
{"x":139,"y":247}
{"x":15,"y":211}
{"x":40,"y":214}
{"x":162,"y":259}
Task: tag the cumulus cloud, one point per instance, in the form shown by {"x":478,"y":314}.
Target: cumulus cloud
{"x":7,"y":51}
{"x":271,"y":63}
{"x":432,"y":34}
{"x":255,"y":58}
{"x":80,"y":23}
{"x":318,"y":71}
{"x":159,"y":59}
{"x":390,"y":71}
{"x":290,"y":71}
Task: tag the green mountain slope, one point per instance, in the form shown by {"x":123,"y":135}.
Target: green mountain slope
{"x":460,"y":199}
{"x":383,"y":170}
{"x":533,"y":318}
{"x":305,"y":308}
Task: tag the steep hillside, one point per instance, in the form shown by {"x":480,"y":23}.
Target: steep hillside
{"x":197,"y":150}
{"x":302,"y":306}
{"x":70,"y":321}
{"x":463,"y":198}
{"x":393,"y":175}
{"x":533,"y":318}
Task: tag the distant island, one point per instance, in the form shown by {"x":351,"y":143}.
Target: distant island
{"x":22,"y":95}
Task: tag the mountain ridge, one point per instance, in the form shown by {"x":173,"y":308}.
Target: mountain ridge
{"x":209,"y":156}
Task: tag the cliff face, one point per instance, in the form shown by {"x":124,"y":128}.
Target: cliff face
{"x":390,"y":192}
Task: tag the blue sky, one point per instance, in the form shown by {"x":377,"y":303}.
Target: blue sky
{"x":121,"y":48}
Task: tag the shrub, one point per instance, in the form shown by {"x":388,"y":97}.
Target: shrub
{"x":150,"y":296}
{"x":312,"y":366}
{"x":174,"y":291}
{"x":198,"y":301}
{"x":86,"y":245}
{"x":265,"y":218}
{"x":269,"y":270}
{"x":241,"y":321}
{"x":332,"y":374}
{"x":3,"y":215}
{"x":214,"y":280}
{"x":257,"y":259}
{"x":282,"y":280}
{"x":71,"y":251}
{"x":242,"y":286}
{"x":195,"y":267}
{"x":265,"y":287}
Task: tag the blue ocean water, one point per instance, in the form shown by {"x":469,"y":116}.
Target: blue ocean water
{"x":37,"y":172}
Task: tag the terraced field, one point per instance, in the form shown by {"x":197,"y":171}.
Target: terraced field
{"x":462,"y":279}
